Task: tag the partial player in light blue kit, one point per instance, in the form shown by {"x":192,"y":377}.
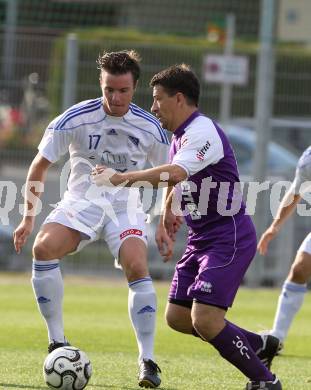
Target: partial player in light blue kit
{"x":295,"y":286}
{"x":113,"y":131}
{"x":204,"y":187}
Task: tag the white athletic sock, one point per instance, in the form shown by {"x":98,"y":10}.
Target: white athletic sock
{"x":47,"y":283}
{"x":289,"y":303}
{"x":142,"y":306}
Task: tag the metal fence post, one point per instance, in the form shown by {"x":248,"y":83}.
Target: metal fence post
{"x":71,"y":71}
{"x":226,"y":90}
{"x":263,"y":111}
{"x":9,"y":43}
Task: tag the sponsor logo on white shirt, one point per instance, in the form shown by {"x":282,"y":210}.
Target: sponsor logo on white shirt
{"x":201,"y":152}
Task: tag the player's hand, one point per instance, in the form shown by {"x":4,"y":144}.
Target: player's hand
{"x":265,"y":239}
{"x":171,"y":222}
{"x":102,"y":175}
{"x":164,"y":242}
{"x":21,"y":233}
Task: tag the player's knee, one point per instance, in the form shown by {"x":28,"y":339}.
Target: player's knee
{"x":42,"y":251}
{"x":173,"y":322}
{"x":205,"y":327}
{"x":178,"y":318}
{"x":135,"y":269}
{"x":298,"y":273}
{"x":199,"y":325}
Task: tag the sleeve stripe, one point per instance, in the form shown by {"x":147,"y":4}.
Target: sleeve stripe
{"x":144,"y":114}
{"x":71,"y":113}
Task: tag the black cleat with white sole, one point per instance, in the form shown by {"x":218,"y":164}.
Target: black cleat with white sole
{"x":271,"y":347}
{"x":148,"y":375}
{"x":55,"y":345}
{"x":264,"y":385}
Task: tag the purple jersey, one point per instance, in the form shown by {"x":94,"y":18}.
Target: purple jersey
{"x":211,"y":195}
{"x":222,"y":238}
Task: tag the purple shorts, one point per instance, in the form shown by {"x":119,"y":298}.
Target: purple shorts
{"x":214,"y":264}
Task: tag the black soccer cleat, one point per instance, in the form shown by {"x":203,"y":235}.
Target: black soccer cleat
{"x":264,"y":385}
{"x":148,"y":374}
{"x":280,"y":349}
{"x":55,"y":345}
{"x":271,"y":347}
{"x":281,"y":345}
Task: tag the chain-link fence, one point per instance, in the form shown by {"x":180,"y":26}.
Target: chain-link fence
{"x":33,"y":47}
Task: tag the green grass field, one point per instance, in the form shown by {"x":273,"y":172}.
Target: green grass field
{"x":96,"y":320}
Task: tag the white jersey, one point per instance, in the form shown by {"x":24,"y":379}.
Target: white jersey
{"x":302,"y":181}
{"x":93,"y":137}
{"x":192,"y":155}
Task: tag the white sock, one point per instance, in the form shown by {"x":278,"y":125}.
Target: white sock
{"x":289,"y":303}
{"x":142,"y":306}
{"x":47,"y":283}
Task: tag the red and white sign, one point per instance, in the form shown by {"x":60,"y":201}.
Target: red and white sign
{"x":226,"y":69}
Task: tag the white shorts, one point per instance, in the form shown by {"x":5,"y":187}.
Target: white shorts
{"x":94,"y":224}
{"x":306,"y":245}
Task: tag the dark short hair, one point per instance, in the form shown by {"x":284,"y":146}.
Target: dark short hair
{"x":120,"y":62}
{"x":179,"y":78}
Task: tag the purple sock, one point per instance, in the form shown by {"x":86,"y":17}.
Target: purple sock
{"x":234,"y":347}
{"x":254,"y":339}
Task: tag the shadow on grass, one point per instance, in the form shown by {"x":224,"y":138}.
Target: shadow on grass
{"x":117,"y":387}
{"x":17,"y":386}
{"x":127,"y":388}
{"x":112,"y":387}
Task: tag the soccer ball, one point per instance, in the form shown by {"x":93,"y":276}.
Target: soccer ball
{"x":67,"y":368}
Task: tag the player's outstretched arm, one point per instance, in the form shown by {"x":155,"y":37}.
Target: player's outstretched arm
{"x":286,"y":208}
{"x":170,"y":174}
{"x":34,"y":188}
